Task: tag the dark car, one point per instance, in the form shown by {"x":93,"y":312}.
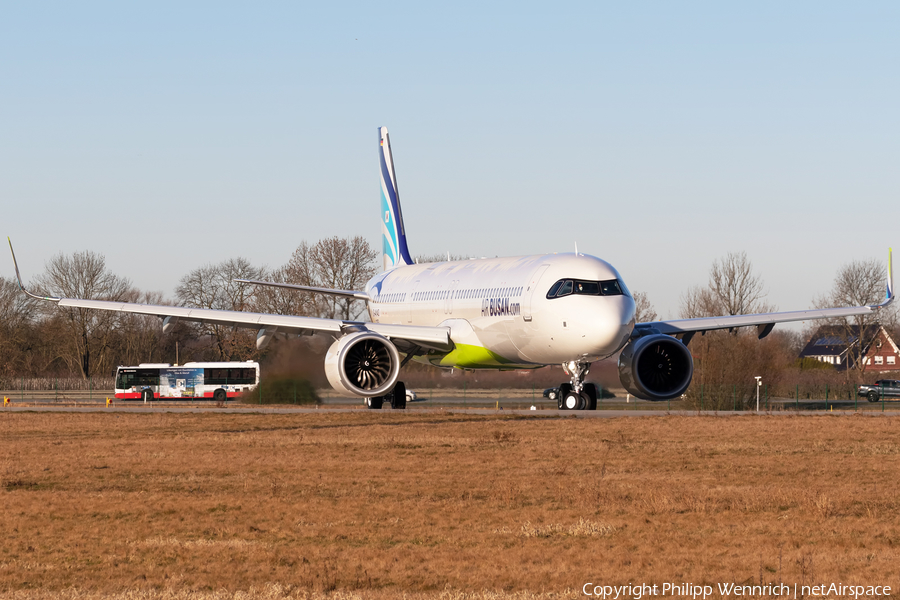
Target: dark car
{"x":883,"y":389}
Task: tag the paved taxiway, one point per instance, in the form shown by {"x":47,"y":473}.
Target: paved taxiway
{"x":542,"y":413}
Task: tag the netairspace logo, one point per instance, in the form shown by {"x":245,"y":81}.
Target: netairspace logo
{"x":727,"y":590}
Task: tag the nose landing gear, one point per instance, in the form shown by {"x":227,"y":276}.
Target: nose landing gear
{"x":577,"y":395}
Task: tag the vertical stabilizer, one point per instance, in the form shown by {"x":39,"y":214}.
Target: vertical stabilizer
{"x":394,"y":251}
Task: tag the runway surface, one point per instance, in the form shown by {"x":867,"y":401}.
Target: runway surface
{"x":423,"y":409}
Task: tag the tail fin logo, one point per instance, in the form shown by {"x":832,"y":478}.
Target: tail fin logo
{"x":394,"y":249}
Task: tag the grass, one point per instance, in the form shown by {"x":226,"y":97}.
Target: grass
{"x":385,"y":505}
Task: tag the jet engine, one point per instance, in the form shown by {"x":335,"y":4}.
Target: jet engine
{"x":362,"y":364}
{"x":655,"y":367}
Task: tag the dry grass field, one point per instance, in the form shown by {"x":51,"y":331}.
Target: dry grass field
{"x":427,"y":506}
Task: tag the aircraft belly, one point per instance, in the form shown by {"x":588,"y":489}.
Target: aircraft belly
{"x":492,"y":333}
{"x":479,"y":344}
{"x":530,"y":346}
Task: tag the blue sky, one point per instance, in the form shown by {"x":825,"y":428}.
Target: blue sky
{"x":659,"y":136}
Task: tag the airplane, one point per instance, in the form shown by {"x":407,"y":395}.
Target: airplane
{"x":520,"y":312}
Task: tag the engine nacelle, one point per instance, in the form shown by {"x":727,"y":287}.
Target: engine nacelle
{"x":362,"y":364}
{"x":656,"y":367}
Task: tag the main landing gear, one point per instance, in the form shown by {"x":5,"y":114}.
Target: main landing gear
{"x":396,"y":397}
{"x":577,"y":395}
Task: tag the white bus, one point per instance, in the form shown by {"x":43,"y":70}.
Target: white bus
{"x":194,"y":380}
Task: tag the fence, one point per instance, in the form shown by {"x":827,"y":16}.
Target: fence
{"x":744,"y":397}
{"x":57,"y":388}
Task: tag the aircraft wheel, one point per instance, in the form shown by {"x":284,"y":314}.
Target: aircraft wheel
{"x":398,"y":396}
{"x":873,"y":397}
{"x":574,"y":401}
{"x":564,"y":390}
{"x":219,"y":395}
{"x":590,"y":393}
{"x":374,"y":403}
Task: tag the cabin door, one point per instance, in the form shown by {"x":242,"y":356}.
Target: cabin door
{"x":529,"y":291}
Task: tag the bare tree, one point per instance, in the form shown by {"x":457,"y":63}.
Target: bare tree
{"x":301,"y":269}
{"x":141,"y":336}
{"x":213,"y":286}
{"x":736,"y":288}
{"x":344,"y":264}
{"x":88,"y":333}
{"x":724,"y":365}
{"x":733,"y":289}
{"x":643,"y":309}
{"x":282,"y":301}
{"x":17,"y":314}
{"x":698,"y":302}
{"x":858,"y":283}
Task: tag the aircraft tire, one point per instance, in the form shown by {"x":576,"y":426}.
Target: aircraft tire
{"x":374,"y":403}
{"x":564,"y":389}
{"x":574,"y":401}
{"x":398,"y":396}
{"x":590,"y":393}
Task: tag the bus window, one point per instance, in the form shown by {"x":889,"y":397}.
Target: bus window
{"x":137,"y":378}
{"x":229,"y":376}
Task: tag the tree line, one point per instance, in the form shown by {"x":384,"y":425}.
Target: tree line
{"x":41,"y":339}
{"x":727,"y":362}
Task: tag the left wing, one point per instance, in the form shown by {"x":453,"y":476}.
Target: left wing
{"x":404,"y":336}
{"x":764,"y":322}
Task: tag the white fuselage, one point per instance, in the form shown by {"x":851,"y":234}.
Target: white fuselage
{"x":498,"y":311}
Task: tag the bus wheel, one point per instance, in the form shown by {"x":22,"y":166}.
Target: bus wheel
{"x":147,"y":395}
{"x":219,"y":395}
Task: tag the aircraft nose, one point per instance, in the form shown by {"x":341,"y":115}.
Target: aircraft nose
{"x":615,"y":323}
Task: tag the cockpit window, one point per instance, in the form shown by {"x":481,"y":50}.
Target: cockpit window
{"x":590,"y":288}
{"x":565,"y":287}
{"x":610,"y":288}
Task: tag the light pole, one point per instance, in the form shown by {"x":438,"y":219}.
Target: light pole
{"x":758,"y":385}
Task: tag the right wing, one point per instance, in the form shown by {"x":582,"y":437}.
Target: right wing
{"x":405,"y":337}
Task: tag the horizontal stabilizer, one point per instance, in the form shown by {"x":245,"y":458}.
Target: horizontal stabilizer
{"x":308,"y":288}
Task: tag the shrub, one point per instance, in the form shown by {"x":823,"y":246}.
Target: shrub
{"x":281,"y":390}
